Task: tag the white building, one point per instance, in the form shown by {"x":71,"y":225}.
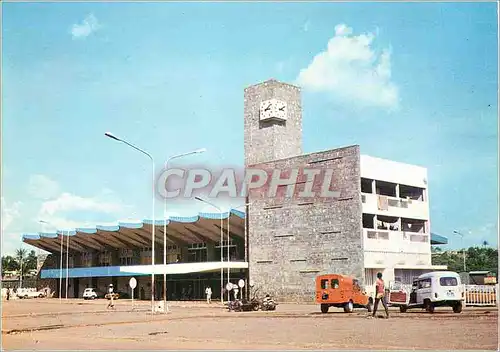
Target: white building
{"x":396,"y":221}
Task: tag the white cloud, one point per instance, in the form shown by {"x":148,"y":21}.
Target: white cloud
{"x":42,"y":187}
{"x":87,"y":27}
{"x":10,"y":239}
{"x":352,"y":71}
{"x":9,"y":213}
{"x":70,"y":202}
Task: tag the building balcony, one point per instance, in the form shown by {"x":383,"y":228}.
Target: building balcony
{"x":393,"y":206}
{"x":396,"y":241}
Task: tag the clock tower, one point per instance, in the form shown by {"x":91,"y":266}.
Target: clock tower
{"x":273,"y":122}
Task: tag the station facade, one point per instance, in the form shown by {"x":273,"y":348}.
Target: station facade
{"x":379,"y":223}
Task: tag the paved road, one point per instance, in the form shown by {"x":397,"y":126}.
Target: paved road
{"x":47,"y":324}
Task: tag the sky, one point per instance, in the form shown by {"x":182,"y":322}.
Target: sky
{"x":410,"y":82}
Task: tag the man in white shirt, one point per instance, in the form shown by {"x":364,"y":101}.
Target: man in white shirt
{"x":111,"y":296}
{"x":208,"y":292}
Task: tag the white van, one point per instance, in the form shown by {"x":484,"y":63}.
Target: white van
{"x":431,"y":290}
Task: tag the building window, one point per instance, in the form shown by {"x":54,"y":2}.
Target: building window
{"x":425,"y":283}
{"x":173,"y":252}
{"x":105,"y":258}
{"x":448,"y":281}
{"x":86,"y":259}
{"x":126,"y":256}
{"x":146,"y":256}
{"x":366,"y":185}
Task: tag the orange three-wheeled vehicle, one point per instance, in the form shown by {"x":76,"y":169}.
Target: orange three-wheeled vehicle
{"x":341,"y":291}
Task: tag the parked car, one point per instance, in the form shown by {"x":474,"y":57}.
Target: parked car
{"x":431,"y":290}
{"x":92,"y":293}
{"x":334,"y":290}
{"x":28,"y":293}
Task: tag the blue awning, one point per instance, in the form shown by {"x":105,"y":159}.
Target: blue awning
{"x":438,"y":239}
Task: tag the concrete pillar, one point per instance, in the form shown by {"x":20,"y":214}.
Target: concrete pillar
{"x":374,"y":188}
{"x":397,"y":190}
{"x":375,"y":222}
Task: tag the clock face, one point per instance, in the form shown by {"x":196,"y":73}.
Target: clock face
{"x":273,"y":109}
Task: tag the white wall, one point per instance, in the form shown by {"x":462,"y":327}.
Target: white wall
{"x":398,"y":251}
{"x":398,"y":242}
{"x":392,"y":171}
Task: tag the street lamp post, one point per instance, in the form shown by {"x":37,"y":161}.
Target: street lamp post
{"x":246,"y":205}
{"x":165,"y":226}
{"x":228,"y":258}
{"x":221,"y":248}
{"x":110,"y":135}
{"x":463,"y":248}
{"x":67,"y":263}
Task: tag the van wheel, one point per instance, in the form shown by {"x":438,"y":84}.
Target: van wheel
{"x":349,"y":307}
{"x":402,"y":309}
{"x":457,"y":308}
{"x":324,"y":308}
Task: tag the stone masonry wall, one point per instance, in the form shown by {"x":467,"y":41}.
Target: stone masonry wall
{"x":266,"y":141}
{"x":50,"y":262}
{"x":293,"y":240}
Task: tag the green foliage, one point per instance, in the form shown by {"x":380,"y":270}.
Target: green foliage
{"x":9,"y":263}
{"x":476,"y":258}
{"x":28,"y":260}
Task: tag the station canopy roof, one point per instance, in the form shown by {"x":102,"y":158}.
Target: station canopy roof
{"x":181,"y":231}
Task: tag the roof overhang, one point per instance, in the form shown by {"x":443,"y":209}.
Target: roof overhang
{"x":203,"y":227}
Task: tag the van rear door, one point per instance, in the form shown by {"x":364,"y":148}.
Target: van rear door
{"x":449,"y":288}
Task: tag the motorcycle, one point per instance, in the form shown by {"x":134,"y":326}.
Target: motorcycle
{"x":235,"y":306}
{"x":244,"y":305}
{"x":268,"y":304}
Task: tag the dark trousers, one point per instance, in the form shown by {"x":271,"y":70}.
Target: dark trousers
{"x":375,"y":306}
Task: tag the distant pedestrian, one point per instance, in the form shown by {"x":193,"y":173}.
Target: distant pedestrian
{"x":8,"y":294}
{"x":111,"y":297}
{"x":208,"y":293}
{"x":380,"y":296}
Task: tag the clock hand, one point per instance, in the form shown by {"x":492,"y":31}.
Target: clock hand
{"x":282,"y":108}
{"x":269,"y":107}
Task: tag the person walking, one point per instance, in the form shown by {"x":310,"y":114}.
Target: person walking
{"x":208,"y":293}
{"x":111,"y":297}
{"x":380,"y":296}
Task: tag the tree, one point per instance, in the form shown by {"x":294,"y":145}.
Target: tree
{"x":13,"y":263}
{"x":26,"y":261}
{"x":476,"y":258}
{"x":9,"y":263}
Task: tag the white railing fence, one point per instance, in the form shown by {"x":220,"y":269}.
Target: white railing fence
{"x":481,"y":295}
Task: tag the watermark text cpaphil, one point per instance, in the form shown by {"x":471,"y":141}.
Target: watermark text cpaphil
{"x":235,"y":183}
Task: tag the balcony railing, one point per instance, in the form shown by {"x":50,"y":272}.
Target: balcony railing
{"x":392,"y":201}
{"x":405,"y":235}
